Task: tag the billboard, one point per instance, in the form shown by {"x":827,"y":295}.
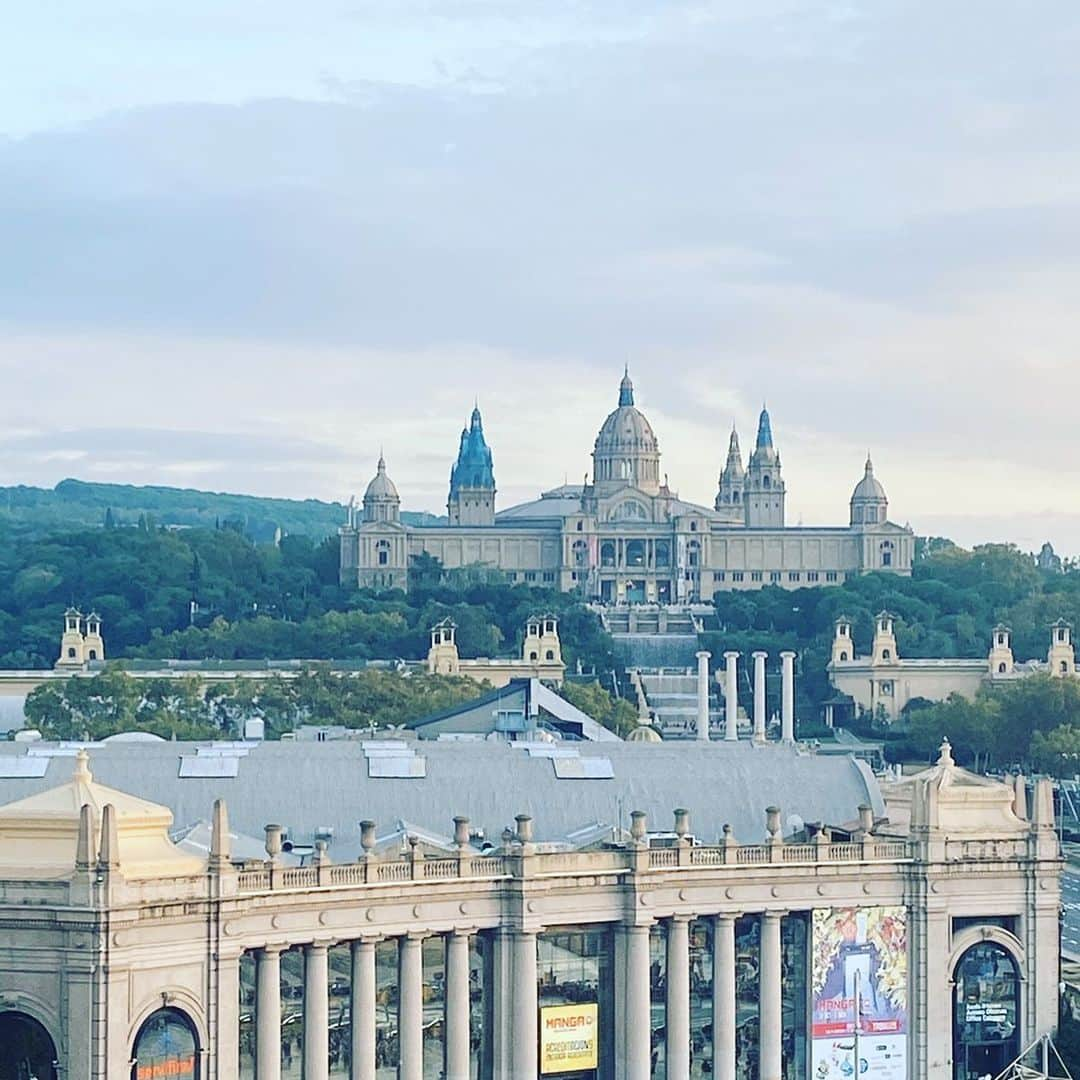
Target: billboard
{"x":569,"y":1037}
{"x":859,"y":988}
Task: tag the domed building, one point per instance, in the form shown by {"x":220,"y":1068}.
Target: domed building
{"x":623,"y":536}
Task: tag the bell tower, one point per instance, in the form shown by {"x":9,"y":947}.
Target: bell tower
{"x":1062,"y":655}
{"x":843,"y":646}
{"x":884,"y":651}
{"x":764,"y":493}
{"x":1001,"y":660}
{"x":72,"y":644}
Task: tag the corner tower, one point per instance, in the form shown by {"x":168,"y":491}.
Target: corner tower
{"x":472,"y":478}
{"x":733,"y":477}
{"x":764,"y":492}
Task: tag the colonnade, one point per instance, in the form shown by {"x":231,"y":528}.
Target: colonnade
{"x":521,"y":1000}
{"x":731,"y":696}
{"x":362,"y":1011}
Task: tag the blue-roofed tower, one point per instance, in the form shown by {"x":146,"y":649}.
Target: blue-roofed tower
{"x":472,"y":478}
{"x":764,"y":491}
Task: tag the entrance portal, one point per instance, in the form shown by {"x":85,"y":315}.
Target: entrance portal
{"x":26,"y":1050}
{"x":986,"y":1012}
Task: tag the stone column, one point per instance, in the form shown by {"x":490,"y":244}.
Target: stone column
{"x":457,"y":1005}
{"x":787,"y":708}
{"x":731,"y":697}
{"x":411,"y":1007}
{"x":316,"y":1012}
{"x":703,"y":695}
{"x":637,"y":1052}
{"x":362,"y":1010}
{"x":268,"y":1013}
{"x":678,"y":998}
{"x":759,"y":696}
{"x":724,"y":1016}
{"x":771,"y":991}
{"x":525,"y":1033}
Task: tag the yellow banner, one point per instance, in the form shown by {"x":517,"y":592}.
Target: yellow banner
{"x":569,"y":1037}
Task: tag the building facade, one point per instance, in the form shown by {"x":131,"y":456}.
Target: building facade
{"x":920,"y":937}
{"x":883,"y":682}
{"x":624,"y":536}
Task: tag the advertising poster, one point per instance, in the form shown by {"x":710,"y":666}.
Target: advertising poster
{"x":569,"y":1037}
{"x":859,"y":986}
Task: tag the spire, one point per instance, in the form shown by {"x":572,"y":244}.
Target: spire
{"x":764,"y":431}
{"x":475,"y":421}
{"x":869,"y":465}
{"x":381,"y":467}
{"x":626,"y":389}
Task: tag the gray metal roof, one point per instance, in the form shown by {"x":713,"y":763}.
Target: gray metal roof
{"x":307,"y":785}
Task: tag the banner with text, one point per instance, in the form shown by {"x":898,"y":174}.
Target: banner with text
{"x":569,"y":1037}
{"x":859,"y":980}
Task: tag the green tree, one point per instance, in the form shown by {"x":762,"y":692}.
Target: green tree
{"x":616,"y":714}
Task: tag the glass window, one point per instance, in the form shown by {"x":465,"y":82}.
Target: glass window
{"x":737,"y":575}
{"x":986,"y":1011}
{"x":774,"y":575}
{"x":747,"y":960}
{"x":701,"y":989}
{"x":755,"y":575}
{"x":794,"y":934}
{"x":574,"y":967}
{"x":658,"y":1001}
{"x":166,"y":1046}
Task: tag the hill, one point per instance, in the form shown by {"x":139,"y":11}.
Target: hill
{"x":76,"y":503}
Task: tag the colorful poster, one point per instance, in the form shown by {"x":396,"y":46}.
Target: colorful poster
{"x":859,"y":986}
{"x":569,"y":1037}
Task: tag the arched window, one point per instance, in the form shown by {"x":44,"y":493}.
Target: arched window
{"x":93,"y":654}
{"x":25,"y":1048}
{"x":886,"y":654}
{"x":693,"y":553}
{"x":607,"y":553}
{"x":549,"y":655}
{"x":766,"y":482}
{"x":635,"y":553}
{"x":166,"y":1046}
{"x":1001,"y":669}
{"x":663,"y":554}
{"x":986,"y":1011}
{"x":843,"y":656}
{"x":533,"y":656}
{"x":1064,"y":667}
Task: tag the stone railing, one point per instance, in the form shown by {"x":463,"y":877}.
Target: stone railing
{"x":467,"y":867}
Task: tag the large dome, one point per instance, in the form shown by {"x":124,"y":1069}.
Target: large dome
{"x":626,"y":450}
{"x":381,"y":486}
{"x":869,"y":487}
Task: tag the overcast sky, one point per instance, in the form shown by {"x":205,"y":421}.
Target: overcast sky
{"x":247,"y":244}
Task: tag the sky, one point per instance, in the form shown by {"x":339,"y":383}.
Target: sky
{"x":248,"y":245}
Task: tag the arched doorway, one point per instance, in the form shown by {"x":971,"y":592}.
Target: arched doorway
{"x":166,"y":1046}
{"x":26,"y":1050}
{"x":986,"y":1011}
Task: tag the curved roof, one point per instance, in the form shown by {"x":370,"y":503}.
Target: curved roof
{"x":869,"y":487}
{"x":307,"y":785}
{"x":473,"y":468}
{"x":381,"y":486}
{"x":625,"y":428}
{"x":39,"y":833}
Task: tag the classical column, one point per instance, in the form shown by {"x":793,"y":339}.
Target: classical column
{"x":787,"y":708}
{"x":703,"y":695}
{"x":316,"y":1013}
{"x":731,"y":696}
{"x":362,"y":1010}
{"x":638,"y":1019}
{"x":268,"y":1013}
{"x":759,"y":696}
{"x":523,"y":1050}
{"x":724,"y":1016}
{"x":457,"y":1005}
{"x":771,"y":991}
{"x":678,"y":998}
{"x":411,"y":1007}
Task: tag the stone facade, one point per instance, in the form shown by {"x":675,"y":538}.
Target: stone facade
{"x":625,"y":536}
{"x":108,"y":931}
{"x":883,"y":683}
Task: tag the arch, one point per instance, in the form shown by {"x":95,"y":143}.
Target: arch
{"x":1001,"y":668}
{"x":71,"y":653}
{"x":92,"y":654}
{"x":167,"y":1043}
{"x":986,"y":1001}
{"x":843,"y":655}
{"x":766,"y":481}
{"x":607,"y":553}
{"x":635,"y":552}
{"x":26,"y":1047}
{"x":549,"y":655}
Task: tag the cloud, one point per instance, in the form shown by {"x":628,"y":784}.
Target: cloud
{"x":867,"y":214}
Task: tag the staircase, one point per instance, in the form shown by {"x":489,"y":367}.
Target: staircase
{"x":672,"y":697}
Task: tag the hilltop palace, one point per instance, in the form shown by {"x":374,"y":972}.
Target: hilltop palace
{"x":626,"y":537}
